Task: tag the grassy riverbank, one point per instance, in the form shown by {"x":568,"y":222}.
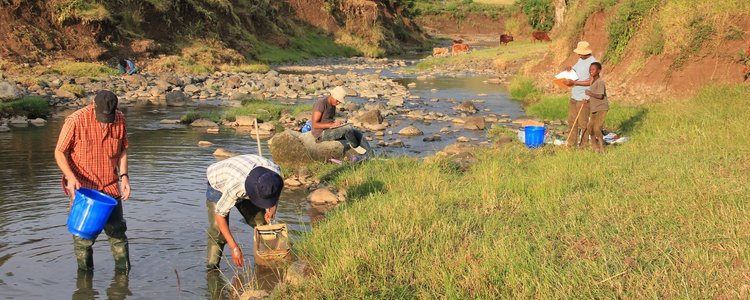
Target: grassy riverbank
{"x":662,"y":216}
{"x":501,"y":55}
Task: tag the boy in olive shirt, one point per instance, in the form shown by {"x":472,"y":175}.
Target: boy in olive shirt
{"x":599,"y":105}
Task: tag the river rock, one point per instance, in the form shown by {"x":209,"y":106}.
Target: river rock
{"x":462,"y":139}
{"x":291,"y":182}
{"x":38,"y":122}
{"x":371,"y":117}
{"x":8,"y":91}
{"x":169,"y":121}
{"x":245,"y":120}
{"x":410,"y":131}
{"x":136,"y":80}
{"x":224,"y":153}
{"x":322,"y":195}
{"x":466,"y":106}
{"x":4,"y":128}
{"x":205,"y":143}
{"x":458,"y":148}
{"x":395,"y":101}
{"x":191,"y":89}
{"x":176,"y":98}
{"x":204,"y":123}
{"x":474,"y":123}
{"x":19,"y":121}
{"x":60,"y":93}
{"x":433,"y":138}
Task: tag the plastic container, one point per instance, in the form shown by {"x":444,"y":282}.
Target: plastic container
{"x":90,"y":211}
{"x":534,"y":136}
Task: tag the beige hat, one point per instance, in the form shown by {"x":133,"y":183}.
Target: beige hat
{"x":338,"y":93}
{"x":583,"y":48}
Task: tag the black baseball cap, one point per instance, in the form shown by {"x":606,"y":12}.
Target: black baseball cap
{"x":106,"y":105}
{"x":263,"y":186}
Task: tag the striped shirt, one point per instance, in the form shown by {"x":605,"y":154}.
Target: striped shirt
{"x":228,"y":177}
{"x":95,"y":149}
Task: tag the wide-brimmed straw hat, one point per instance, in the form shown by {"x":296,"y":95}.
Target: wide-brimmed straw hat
{"x":339,"y":93}
{"x":583,"y":48}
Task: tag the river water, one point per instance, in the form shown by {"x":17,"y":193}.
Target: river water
{"x":166,"y":214}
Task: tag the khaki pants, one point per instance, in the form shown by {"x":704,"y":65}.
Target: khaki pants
{"x":596,"y":124}
{"x":118,"y":242}
{"x":581,"y":124}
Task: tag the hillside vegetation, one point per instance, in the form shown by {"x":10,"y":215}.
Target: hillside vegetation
{"x":235,"y":31}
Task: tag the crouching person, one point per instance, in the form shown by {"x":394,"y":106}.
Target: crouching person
{"x":325,"y":128}
{"x":250,"y":183}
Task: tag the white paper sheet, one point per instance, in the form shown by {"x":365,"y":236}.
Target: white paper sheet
{"x":567,"y":75}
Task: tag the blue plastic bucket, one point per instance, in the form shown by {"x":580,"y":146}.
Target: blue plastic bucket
{"x":90,"y":211}
{"x":534,"y":136}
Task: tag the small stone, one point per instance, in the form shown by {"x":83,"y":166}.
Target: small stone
{"x":412,"y":85}
{"x":397,"y":144}
{"x":212,"y":130}
{"x":169,"y":121}
{"x":292,"y":182}
{"x":410,"y":131}
{"x":205,"y":143}
{"x":38,"y":122}
{"x":223,"y":153}
{"x":462,"y":139}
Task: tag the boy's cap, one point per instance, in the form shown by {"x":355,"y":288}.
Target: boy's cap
{"x":106,"y":105}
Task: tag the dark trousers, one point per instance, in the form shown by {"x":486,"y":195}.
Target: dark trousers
{"x":353,"y":136}
{"x":215,"y":243}
{"x":118,"y":243}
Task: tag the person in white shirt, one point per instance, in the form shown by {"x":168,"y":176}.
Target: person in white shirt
{"x":578,"y":99}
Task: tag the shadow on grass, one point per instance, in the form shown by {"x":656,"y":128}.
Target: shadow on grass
{"x":634,"y":121}
{"x":365,"y":189}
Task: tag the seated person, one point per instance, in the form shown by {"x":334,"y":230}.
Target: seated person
{"x":126,"y":66}
{"x":325,"y":128}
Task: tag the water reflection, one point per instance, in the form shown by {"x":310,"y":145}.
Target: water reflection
{"x":118,"y":288}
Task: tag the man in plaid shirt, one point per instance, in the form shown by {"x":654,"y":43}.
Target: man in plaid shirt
{"x":92,"y":152}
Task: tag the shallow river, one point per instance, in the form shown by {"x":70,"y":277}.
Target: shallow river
{"x":166,"y":214}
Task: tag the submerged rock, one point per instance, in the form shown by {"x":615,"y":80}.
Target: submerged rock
{"x":203,"y":123}
{"x":466,"y":106}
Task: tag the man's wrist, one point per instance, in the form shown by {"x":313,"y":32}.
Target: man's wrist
{"x":124,"y":175}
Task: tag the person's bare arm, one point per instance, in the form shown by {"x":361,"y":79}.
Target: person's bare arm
{"x":270,"y":213}
{"x":125,"y":180}
{"x":223,"y":224}
{"x":594,"y":95}
{"x":581,"y":83}
{"x":63,"y":162}
{"x":317,"y":116}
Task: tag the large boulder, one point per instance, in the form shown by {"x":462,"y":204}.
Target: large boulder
{"x":323,"y":195}
{"x":466,"y":106}
{"x":245,"y":120}
{"x":410,"y":131}
{"x":371,"y":117}
{"x":474,"y":123}
{"x":292,"y":149}
{"x":176,"y":98}
{"x":8,"y":91}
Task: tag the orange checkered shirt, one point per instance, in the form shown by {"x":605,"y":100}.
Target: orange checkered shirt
{"x":95,"y":149}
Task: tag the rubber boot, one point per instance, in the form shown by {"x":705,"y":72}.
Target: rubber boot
{"x":84,"y":253}
{"x":118,"y":241}
{"x":215,"y":242}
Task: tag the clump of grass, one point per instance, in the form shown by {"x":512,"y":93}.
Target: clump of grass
{"x":642,"y":220}
{"x":625,"y":25}
{"x":78,"y":90}
{"x":246,"y":68}
{"x":523,"y":89}
{"x":83,"y":69}
{"x":702,"y":31}
{"x":31,"y":107}
{"x":512,"y":52}
{"x":191,"y":116}
{"x":265,"y":110}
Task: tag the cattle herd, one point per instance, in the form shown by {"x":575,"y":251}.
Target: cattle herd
{"x":459,"y":47}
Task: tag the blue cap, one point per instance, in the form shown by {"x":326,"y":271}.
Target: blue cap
{"x":263,"y":186}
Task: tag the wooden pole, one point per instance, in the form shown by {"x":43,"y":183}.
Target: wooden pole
{"x":257,"y":137}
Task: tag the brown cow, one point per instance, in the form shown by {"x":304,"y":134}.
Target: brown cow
{"x":506,"y":38}
{"x":540,"y":36}
{"x":437,"y":52}
{"x":457,"y":49}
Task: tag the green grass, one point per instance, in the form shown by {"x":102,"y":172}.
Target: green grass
{"x":460,"y":8}
{"x":246,"y":68}
{"x":662,"y":216}
{"x":620,"y":117}
{"x":511,"y":52}
{"x":31,"y":107}
{"x":265,"y":110}
{"x":83,"y":69}
{"x":309,"y":44}
{"x":74,"y":88}
{"x":523,"y":89}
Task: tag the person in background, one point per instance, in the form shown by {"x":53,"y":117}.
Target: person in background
{"x":325,"y":128}
{"x":92,"y":152}
{"x":127,"y":67}
{"x":578,"y":101}
{"x":250,"y":183}
{"x":599,"y":105}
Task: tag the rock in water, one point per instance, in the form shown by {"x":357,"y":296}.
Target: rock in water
{"x":203,"y":123}
{"x":8,"y":91}
{"x":410,"y":131}
{"x":323,"y":195}
{"x":474,"y":123}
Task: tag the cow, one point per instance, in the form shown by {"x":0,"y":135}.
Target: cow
{"x":540,"y":36}
{"x":457,"y":49}
{"x":437,"y":52}
{"x":506,"y":38}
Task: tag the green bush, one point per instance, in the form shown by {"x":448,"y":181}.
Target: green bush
{"x":625,"y":25}
{"x":31,"y":107}
{"x":523,"y":89}
{"x":540,"y":13}
{"x":654,"y":44}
